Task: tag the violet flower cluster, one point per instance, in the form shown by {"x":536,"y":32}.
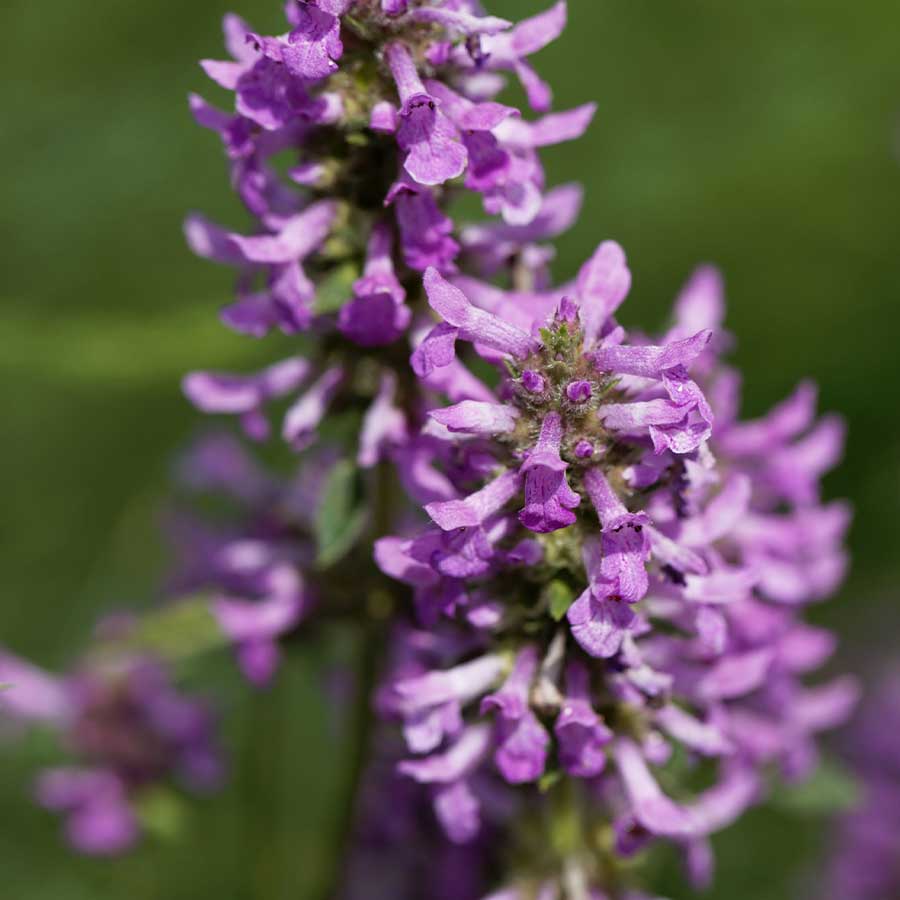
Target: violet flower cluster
{"x":866,"y":840}
{"x":592,"y":573}
{"x":128,"y":731}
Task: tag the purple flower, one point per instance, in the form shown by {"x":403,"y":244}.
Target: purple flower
{"x":649,"y":808}
{"x":434,"y":152}
{"x":384,"y":426}
{"x":302,"y":419}
{"x":430,"y":703}
{"x":99,"y":819}
{"x":509,"y":49}
{"x":313,"y":46}
{"x":581,"y":733}
{"x":522,"y":740}
{"x":245,"y":395}
{"x":31,"y":694}
{"x":459,"y":20}
{"x":127,"y":728}
{"x":495,"y":244}
{"x":534,"y":381}
{"x":600,"y":618}
{"x":456,"y":806}
{"x":471,"y":323}
{"x":425,"y":230}
{"x":254,"y":625}
{"x":549,"y":500}
{"x":579,"y":391}
{"x":377,"y":314}
{"x":477,"y":417}
{"x":476,"y":508}
{"x":863,"y":864}
{"x":280,"y":255}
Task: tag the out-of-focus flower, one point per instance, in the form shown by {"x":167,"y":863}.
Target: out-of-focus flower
{"x":127,"y":729}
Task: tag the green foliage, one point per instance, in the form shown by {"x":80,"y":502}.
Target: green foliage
{"x":175,"y":633}
{"x":831,"y":789}
{"x":559,"y":597}
{"x":335,"y":289}
{"x":340,"y":519}
{"x":162,"y":813}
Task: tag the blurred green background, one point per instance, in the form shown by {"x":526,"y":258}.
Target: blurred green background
{"x":762,"y":137}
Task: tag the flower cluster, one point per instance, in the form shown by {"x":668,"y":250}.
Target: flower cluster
{"x":867,"y":839}
{"x":605,"y":480}
{"x":373,"y":109}
{"x":606,"y":570}
{"x":128,"y":729}
{"x":250,"y":561}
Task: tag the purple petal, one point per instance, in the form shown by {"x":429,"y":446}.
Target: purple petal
{"x":651,"y":362}
{"x":314,"y":44}
{"x":30,"y":693}
{"x":462,"y":683}
{"x":603,"y":283}
{"x":302,"y":419}
{"x":475,"y":324}
{"x":474,"y":417}
{"x":472,"y":511}
{"x":453,"y":764}
{"x":300,"y":236}
{"x":554,"y":128}
{"x":459,"y":812}
{"x":651,"y":808}
{"x":735,"y":675}
{"x":461,"y":21}
{"x":599,"y":623}
{"x":210,"y":241}
{"x":704,"y":737}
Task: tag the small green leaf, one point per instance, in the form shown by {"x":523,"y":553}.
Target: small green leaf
{"x":559,"y":597}
{"x":162,"y":813}
{"x":831,"y":789}
{"x":179,"y":631}
{"x":548,"y":779}
{"x":339,"y":521}
{"x":335,"y":289}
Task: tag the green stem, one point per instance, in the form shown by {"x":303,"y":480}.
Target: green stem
{"x":361,"y":721}
{"x":360,"y":731}
{"x":260,"y":779}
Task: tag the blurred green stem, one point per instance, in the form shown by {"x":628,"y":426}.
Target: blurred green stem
{"x":360,"y":727}
{"x":378,"y":604}
{"x":262,"y":779}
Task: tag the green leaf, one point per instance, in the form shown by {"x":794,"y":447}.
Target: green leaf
{"x":831,"y":789}
{"x":161,"y":812}
{"x":339,"y":520}
{"x":335,"y":289}
{"x":177,"y":632}
{"x":559,"y":597}
{"x":548,"y":780}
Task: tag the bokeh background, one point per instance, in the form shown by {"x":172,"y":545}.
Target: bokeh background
{"x":763,"y":137}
